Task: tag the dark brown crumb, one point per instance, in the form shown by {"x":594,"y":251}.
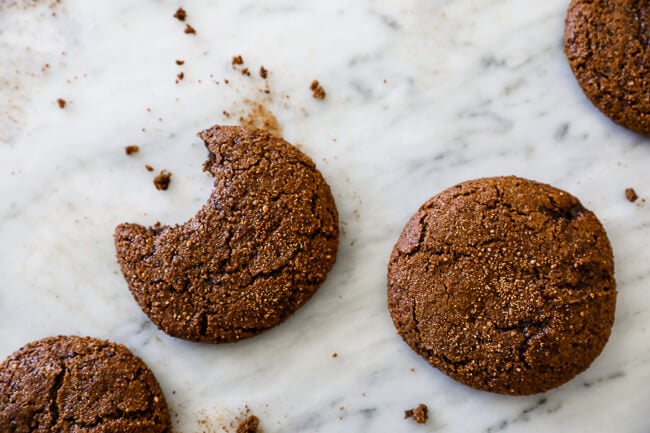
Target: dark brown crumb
{"x":162,"y":181}
{"x":148,"y":167}
{"x":245,"y":71}
{"x":631,"y":195}
{"x":61,"y":103}
{"x":225,"y":113}
{"x":180,"y":75}
{"x":180,"y":62}
{"x":129,"y":150}
{"x":249,"y":425}
{"x":226,"y":81}
{"x":334,"y":355}
{"x":189,"y":29}
{"x":180,"y":14}
{"x":420,"y":414}
{"x":317,"y":90}
{"x":264,"y":72}
{"x":237,"y":60}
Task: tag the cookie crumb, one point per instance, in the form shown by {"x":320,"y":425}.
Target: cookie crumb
{"x":420,"y":414}
{"x":631,"y":195}
{"x":180,"y":62}
{"x":334,"y":355}
{"x":61,"y":103}
{"x":189,"y":30}
{"x":249,"y":425}
{"x":148,"y":167}
{"x":130,"y":150}
{"x":237,"y":60}
{"x":246,"y":72}
{"x":264,"y":72}
{"x":317,"y":90}
{"x":162,"y":181}
{"x":180,"y":14}
{"x":180,"y":75}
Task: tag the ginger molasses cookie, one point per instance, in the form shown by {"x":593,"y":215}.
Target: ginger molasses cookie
{"x":504,"y":284}
{"x":79,"y":384}
{"x":607,"y":43}
{"x":252,"y":255}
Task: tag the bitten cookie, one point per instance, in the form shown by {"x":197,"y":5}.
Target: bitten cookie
{"x":257,"y":250}
{"x":607,"y":44}
{"x":75,"y":384}
{"x":504,"y":284}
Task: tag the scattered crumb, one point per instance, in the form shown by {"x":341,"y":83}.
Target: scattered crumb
{"x":148,"y":167}
{"x":317,"y":90}
{"x":420,"y":414}
{"x":264,"y":72}
{"x":334,"y":355}
{"x":180,"y":62}
{"x":162,"y":181}
{"x":249,"y":425}
{"x":260,"y":117}
{"x":225,"y":113}
{"x":226,"y":81}
{"x":130,"y":150}
{"x":180,"y":14}
{"x":246,"y":72}
{"x":189,"y":30}
{"x":61,"y":103}
{"x":180,"y":75}
{"x":237,"y":60}
{"x":631,"y":195}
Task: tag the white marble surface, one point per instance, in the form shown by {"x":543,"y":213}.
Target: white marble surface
{"x":421,"y":94}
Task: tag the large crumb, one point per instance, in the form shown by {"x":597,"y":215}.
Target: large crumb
{"x":420,"y":414}
{"x":180,"y":14}
{"x":249,"y":425}
{"x":61,"y":103}
{"x":237,"y":60}
{"x":631,"y":195}
{"x":162,"y":181}
{"x":264,"y":72}
{"x":317,"y":90}
{"x":189,"y":30}
{"x":130,"y":150}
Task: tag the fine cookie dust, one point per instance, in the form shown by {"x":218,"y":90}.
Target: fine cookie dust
{"x":250,"y":257}
{"x":504,"y":284}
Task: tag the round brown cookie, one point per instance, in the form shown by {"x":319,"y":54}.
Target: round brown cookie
{"x":77,"y":384}
{"x":257,"y":250}
{"x":607,"y":43}
{"x":504,"y":284}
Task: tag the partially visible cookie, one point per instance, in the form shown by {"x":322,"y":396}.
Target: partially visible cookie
{"x":607,"y":44}
{"x":504,"y":284}
{"x":76,"y":384}
{"x":252,"y":255}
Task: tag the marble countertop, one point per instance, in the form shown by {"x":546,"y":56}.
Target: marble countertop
{"x":420,"y":96}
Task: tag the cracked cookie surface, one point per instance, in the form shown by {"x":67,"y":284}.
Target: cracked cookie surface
{"x":82,"y":385}
{"x":252,"y":255}
{"x":607,"y":44}
{"x":504,"y":284}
